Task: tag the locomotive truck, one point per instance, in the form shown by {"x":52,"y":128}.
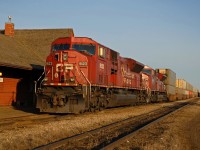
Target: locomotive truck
{"x":83,"y":75}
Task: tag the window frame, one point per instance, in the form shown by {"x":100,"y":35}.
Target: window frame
{"x":102,"y":51}
{"x":65,"y":46}
{"x":93,"y":50}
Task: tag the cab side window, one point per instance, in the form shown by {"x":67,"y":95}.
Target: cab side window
{"x":102,"y":52}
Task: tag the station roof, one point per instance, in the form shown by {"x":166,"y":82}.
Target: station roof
{"x":28,"y":49}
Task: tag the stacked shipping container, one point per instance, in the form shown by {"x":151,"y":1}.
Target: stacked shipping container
{"x":170,"y":82}
{"x":181,"y":86}
{"x":177,"y":89}
{"x":195,"y":92}
{"x":188,"y":90}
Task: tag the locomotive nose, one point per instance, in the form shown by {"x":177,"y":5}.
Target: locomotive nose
{"x":65,"y":72}
{"x":69,"y":68}
{"x":65,"y":68}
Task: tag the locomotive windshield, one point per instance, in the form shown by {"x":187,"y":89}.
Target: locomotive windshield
{"x":146,"y":71}
{"x":89,"y":48}
{"x":57,"y":47}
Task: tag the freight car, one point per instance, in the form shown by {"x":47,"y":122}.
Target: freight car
{"x":169,"y":81}
{"x":177,"y":89}
{"x":84,"y":75}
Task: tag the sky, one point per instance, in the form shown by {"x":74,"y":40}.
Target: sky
{"x":157,"y":33}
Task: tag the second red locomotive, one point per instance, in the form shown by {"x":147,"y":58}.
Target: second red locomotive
{"x":84,"y":75}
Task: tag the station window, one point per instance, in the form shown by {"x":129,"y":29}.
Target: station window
{"x":102,"y":52}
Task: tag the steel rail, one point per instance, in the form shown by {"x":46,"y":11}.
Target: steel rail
{"x":122,"y":140}
{"x":117,"y":124}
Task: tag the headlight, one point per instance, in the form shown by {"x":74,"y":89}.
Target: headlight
{"x":45,"y":79}
{"x":72,"y":79}
{"x":49,"y":63}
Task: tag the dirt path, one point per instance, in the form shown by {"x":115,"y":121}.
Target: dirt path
{"x":193,"y":128}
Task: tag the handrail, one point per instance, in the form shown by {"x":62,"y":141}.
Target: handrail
{"x":89,"y":86}
{"x":39,"y":80}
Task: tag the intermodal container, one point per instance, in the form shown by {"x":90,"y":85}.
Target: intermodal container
{"x":189,"y":86}
{"x":171,"y":92}
{"x":179,"y":94}
{"x":186,"y":94}
{"x":181,"y":83}
{"x":170,"y":76}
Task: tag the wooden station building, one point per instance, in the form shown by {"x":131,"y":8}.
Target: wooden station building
{"x":22,"y":57}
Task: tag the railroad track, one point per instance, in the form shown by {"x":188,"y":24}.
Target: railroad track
{"x":122,"y":140}
{"x":32,"y":119}
{"x":109,"y":136}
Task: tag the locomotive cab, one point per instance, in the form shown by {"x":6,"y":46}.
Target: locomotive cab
{"x":65,"y":67}
{"x":66,"y":85}
{"x":154,"y":87}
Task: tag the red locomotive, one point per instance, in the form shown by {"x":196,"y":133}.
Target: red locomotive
{"x":84,"y":75}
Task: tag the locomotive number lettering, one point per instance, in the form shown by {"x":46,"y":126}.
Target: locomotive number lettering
{"x":82,"y":63}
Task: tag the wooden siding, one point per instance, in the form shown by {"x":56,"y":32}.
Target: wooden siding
{"x":8,"y":89}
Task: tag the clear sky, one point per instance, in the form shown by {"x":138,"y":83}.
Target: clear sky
{"x":158,"y":33}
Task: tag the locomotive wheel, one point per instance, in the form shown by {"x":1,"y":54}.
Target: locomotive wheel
{"x":92,"y":109}
{"x":100,"y":107}
{"x":101,"y":104}
{"x":82,"y":111}
{"x":138,"y":99}
{"x":142,"y":100}
{"x":148,"y":100}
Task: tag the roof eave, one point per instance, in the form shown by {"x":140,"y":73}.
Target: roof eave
{"x":15,"y":66}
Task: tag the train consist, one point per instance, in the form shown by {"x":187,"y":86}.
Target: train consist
{"x":84,"y":75}
{"x":177,"y":89}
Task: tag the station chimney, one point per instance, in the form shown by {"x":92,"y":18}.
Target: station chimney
{"x":9,"y":27}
